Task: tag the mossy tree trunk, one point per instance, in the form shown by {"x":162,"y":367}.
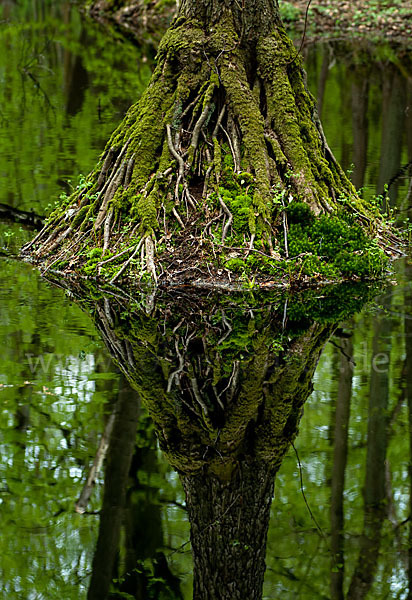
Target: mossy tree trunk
{"x":201,"y":168}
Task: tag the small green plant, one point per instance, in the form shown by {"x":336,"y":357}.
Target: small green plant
{"x":247,"y":282}
{"x":276,"y":346}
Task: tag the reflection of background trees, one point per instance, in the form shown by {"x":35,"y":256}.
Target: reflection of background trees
{"x":365,"y":100}
{"x":394,"y":168}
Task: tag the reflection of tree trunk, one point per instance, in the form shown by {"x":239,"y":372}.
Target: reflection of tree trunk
{"x":141,"y":508}
{"x":225,"y":388}
{"x":229,"y":524}
{"x":360,"y":97}
{"x":145,"y":542}
{"x":374,"y":494}
{"x":23,"y":401}
{"x":117,"y":469}
{"x":76,"y":78}
{"x":408,"y":377}
{"x":331,"y":427}
{"x":324,"y":71}
{"x":408,"y":359}
{"x":340,"y":453}
{"x":393,"y":116}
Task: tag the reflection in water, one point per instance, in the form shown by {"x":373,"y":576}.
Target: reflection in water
{"x":366,"y":100}
{"x":128,"y":504}
{"x":340,"y":454}
{"x":64,"y":87}
{"x":375,"y":490}
{"x":224,"y":380}
{"x":408,"y":377}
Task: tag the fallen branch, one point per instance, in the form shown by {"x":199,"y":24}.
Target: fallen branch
{"x":30,"y":219}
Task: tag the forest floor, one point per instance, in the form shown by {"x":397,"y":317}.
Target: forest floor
{"x":374,"y":20}
{"x":370,"y":20}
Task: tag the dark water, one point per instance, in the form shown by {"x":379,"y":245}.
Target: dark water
{"x":63,"y":88}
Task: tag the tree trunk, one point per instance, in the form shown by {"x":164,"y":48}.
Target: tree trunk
{"x":229,"y":524}
{"x":201,"y":174}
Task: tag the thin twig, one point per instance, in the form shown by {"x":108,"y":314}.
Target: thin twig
{"x":112,"y":258}
{"x":319,"y":528}
{"x":87,"y":490}
{"x":303,"y":36}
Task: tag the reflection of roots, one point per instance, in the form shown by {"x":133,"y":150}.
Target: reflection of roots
{"x":214,"y":384}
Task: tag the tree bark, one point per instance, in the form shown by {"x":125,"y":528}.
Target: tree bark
{"x":229,"y":524}
{"x":252,"y":20}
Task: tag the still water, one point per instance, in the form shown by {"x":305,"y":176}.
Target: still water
{"x":339,"y":526}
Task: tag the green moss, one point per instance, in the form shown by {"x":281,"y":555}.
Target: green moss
{"x":79,"y":218}
{"x":146,"y":209}
{"x":95,"y":253}
{"x":93,"y":257}
{"x":247,"y":111}
{"x":332,"y":245}
{"x":240,"y":206}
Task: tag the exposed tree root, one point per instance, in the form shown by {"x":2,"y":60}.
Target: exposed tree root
{"x":201,"y":162}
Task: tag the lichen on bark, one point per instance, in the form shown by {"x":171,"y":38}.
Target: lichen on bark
{"x":226,"y":132}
